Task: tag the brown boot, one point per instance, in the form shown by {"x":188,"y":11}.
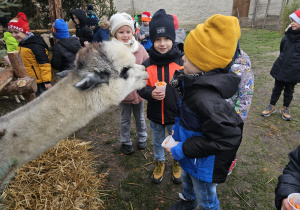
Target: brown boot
{"x":158,"y":172}
{"x":176,"y":172}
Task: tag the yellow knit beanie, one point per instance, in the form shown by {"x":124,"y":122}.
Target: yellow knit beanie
{"x":213,"y":44}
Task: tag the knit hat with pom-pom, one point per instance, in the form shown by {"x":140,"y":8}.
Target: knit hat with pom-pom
{"x":19,"y":23}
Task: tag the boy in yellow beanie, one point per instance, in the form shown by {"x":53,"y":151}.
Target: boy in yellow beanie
{"x":207,"y":129}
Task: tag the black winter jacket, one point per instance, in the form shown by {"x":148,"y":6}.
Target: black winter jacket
{"x":83,"y":32}
{"x":287,"y":66}
{"x":207,"y":127}
{"x":289,"y":181}
{"x":64,"y":53}
{"x":161,"y":67}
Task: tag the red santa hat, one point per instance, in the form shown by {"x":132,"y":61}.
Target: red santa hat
{"x":146,"y":17}
{"x":19,"y":23}
{"x":296,"y":16}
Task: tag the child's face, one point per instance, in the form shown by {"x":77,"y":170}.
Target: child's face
{"x":162,"y":44}
{"x":18,"y":35}
{"x":76,"y":19}
{"x":124,"y":34}
{"x":189,"y":67}
{"x":145,"y":23}
{"x":294,"y":24}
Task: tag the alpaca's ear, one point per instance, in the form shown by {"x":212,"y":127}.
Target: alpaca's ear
{"x":91,"y":80}
{"x":63,"y":74}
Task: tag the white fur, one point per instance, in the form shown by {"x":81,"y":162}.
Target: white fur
{"x":63,"y":109}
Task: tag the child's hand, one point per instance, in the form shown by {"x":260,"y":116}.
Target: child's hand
{"x":142,"y":37}
{"x":285,"y":205}
{"x":48,"y":85}
{"x":158,"y":95}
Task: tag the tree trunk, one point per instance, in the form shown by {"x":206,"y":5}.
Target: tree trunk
{"x":20,"y":72}
{"x":23,"y":86}
{"x":6,"y":75}
{"x":17,"y":64}
{"x":52,"y":11}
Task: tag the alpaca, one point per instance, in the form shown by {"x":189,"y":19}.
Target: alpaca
{"x":104,"y":75}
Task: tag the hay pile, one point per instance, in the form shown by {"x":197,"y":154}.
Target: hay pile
{"x":61,"y":178}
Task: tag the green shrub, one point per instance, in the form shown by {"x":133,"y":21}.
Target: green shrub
{"x":287,"y":10}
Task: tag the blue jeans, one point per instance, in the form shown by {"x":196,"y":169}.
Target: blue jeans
{"x":205,"y":193}
{"x":158,"y":136}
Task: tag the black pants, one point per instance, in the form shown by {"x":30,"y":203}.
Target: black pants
{"x":287,"y":94}
{"x":40,"y":89}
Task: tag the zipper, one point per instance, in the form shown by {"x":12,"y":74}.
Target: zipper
{"x":34,"y":72}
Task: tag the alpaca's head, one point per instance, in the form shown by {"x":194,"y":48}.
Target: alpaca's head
{"x":100,"y":63}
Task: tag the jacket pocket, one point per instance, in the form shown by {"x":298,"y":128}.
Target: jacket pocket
{"x":34,"y":72}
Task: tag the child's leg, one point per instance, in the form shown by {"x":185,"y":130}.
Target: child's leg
{"x":206,"y":194}
{"x":288,"y":93}
{"x":187,"y":185}
{"x":125,"y":112}
{"x":158,"y":136}
{"x":276,"y":92}
{"x":138,"y":113}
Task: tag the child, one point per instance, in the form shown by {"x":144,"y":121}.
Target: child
{"x":122,"y":30}
{"x":164,"y":59}
{"x":289,"y":181}
{"x":180,"y":34}
{"x":83,"y":32}
{"x":143,"y":34}
{"x":286,"y":69}
{"x":208,"y":129}
{"x":101,"y":32}
{"x":91,"y":17}
{"x":64,"y":51}
{"x":34,"y":52}
{"x":241,"y":100}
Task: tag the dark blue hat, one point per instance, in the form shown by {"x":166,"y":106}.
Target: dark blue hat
{"x":90,"y":7}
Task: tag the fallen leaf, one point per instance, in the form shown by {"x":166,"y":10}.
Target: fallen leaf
{"x":238,"y":205}
{"x":270,"y":134}
{"x":265,"y":169}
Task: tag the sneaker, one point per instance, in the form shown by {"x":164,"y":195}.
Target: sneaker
{"x":158,"y":172}
{"x":142,"y":145}
{"x":127,"y":149}
{"x":184,"y":205}
{"x":285,"y":113}
{"x":233,"y":164}
{"x":176,"y":172}
{"x":268,"y":111}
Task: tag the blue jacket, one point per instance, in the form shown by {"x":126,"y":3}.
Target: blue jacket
{"x":207,"y":127}
{"x":101,"y":35}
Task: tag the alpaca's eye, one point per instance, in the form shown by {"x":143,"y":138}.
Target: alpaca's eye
{"x":124,"y":71}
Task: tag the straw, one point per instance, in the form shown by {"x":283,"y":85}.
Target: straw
{"x":62,"y":178}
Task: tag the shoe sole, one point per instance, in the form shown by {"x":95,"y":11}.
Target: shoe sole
{"x":267,"y":115}
{"x":283,"y":117}
{"x":176,"y":180}
{"x":156,"y":181}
